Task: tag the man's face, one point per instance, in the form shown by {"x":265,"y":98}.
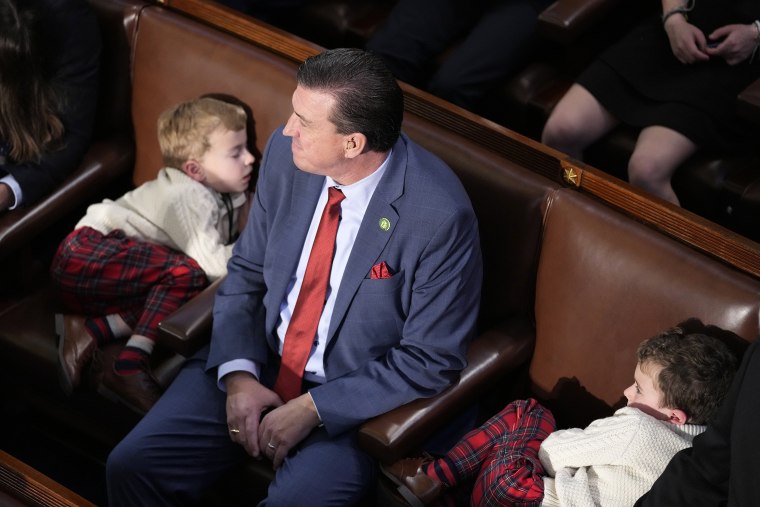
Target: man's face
{"x":317,"y":147}
{"x":227,"y":164}
{"x":644,"y":394}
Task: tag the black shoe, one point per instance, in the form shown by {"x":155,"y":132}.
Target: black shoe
{"x":414,"y":485}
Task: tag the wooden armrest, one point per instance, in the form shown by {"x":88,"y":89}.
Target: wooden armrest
{"x":565,"y":20}
{"x":749,"y":102}
{"x":31,"y":487}
{"x":103,"y":162}
{"x":395,"y":434}
{"x":188,"y":328}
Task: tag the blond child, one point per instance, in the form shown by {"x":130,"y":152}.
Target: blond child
{"x":131,"y":262}
{"x":518,"y":459}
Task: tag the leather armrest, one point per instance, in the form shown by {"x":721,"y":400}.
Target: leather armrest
{"x":188,"y":328}
{"x":103,"y":162}
{"x":565,"y":20}
{"x":395,"y":434}
{"x":749,"y":102}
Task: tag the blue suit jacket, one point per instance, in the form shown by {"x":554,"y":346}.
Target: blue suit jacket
{"x":390,"y":340}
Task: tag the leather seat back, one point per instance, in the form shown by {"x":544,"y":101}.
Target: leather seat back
{"x":605,"y":283}
{"x":118,"y":22}
{"x":509,"y":201}
{"x":178,"y":59}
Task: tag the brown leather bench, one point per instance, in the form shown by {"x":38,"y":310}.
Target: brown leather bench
{"x":535,"y":234}
{"x":604,"y":283}
{"x":166,"y":52}
{"x":724,"y":189}
{"x":518,"y":213}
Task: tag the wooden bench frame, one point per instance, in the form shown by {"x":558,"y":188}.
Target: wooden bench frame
{"x":31,"y":487}
{"x":697,"y":232}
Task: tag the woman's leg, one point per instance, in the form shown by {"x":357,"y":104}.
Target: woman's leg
{"x":658,"y":153}
{"x":577,"y":121}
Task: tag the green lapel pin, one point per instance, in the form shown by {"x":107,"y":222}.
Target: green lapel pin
{"x":384,"y":224}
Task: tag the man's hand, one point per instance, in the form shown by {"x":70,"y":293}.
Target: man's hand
{"x":283,"y":428}
{"x":737,"y":44}
{"x":687,"y":42}
{"x":6,"y":197}
{"x":247,"y":399}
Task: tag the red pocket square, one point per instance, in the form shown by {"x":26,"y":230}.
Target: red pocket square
{"x":380,"y":271}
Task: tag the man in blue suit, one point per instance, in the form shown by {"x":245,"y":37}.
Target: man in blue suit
{"x":399,"y":310}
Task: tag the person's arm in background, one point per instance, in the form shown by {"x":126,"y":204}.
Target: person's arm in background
{"x":73,"y":36}
{"x":687,"y":42}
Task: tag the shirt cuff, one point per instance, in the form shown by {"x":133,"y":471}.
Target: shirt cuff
{"x":315,"y":408}
{"x":236,"y":365}
{"x":15,"y":188}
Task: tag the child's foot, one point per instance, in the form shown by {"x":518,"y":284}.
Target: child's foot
{"x":75,"y":348}
{"x":414,"y":484}
{"x":137,"y":389}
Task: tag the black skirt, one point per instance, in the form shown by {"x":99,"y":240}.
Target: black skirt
{"x":640,"y":82}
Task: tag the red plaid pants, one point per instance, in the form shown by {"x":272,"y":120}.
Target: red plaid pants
{"x":502,"y":455}
{"x":98,"y":275}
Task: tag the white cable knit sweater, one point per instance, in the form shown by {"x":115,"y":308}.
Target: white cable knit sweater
{"x":176,"y":211}
{"x":613,"y":461}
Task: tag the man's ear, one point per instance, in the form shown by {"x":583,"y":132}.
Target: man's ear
{"x":355,"y":144}
{"x":194,"y":170}
{"x":678,"y":416}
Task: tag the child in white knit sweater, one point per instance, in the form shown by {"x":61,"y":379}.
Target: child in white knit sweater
{"x":131,"y":262}
{"x":517,"y":457}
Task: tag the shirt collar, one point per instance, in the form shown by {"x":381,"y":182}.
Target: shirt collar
{"x":362,"y":190}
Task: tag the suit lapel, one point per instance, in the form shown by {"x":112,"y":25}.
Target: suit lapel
{"x":372,"y":236}
{"x":305,"y":194}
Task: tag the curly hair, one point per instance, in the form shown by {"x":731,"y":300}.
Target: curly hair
{"x":697,"y":371}
{"x":184,"y":130}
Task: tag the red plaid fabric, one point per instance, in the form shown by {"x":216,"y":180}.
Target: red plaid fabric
{"x":502,"y":455}
{"x":98,"y":275}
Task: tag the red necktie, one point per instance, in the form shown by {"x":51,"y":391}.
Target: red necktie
{"x":311,"y":301}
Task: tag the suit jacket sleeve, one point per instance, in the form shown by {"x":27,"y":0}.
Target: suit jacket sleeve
{"x":238,"y":330}
{"x":722,"y":465}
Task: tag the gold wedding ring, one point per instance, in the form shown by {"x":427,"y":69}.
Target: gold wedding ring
{"x":271,"y":446}
{"x":234,"y":431}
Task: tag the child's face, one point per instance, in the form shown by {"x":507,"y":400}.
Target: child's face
{"x":644,"y":394}
{"x":227,"y":164}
